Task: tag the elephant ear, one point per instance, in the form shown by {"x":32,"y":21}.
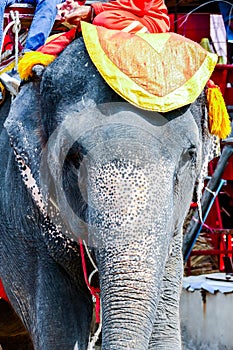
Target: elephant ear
{"x":41,"y":107}
{"x":24,"y":128}
{"x":22,"y":125}
{"x":210,"y":143}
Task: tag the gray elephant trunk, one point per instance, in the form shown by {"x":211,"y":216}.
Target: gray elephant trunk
{"x":130,"y":292}
{"x":131,"y":239}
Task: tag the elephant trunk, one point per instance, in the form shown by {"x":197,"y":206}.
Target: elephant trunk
{"x":132,"y":244}
{"x":131,"y":220}
{"x":131,"y":280}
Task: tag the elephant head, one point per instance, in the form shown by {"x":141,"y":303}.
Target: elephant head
{"x":93,"y":167}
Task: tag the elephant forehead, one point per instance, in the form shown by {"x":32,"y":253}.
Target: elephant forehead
{"x":110,"y":128}
{"x":184,"y":130}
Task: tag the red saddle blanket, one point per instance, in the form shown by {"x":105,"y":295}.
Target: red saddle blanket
{"x":2,"y":292}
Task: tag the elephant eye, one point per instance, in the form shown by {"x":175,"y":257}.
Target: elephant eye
{"x":192,"y":153}
{"x":189,"y":154}
{"x":187,"y":161}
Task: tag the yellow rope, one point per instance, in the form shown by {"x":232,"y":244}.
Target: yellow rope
{"x":3,"y":92}
{"x":30,"y":59}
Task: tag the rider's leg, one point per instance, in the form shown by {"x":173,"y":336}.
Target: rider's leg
{"x":120,"y":20}
{"x":128,"y":22}
{"x":43,"y":21}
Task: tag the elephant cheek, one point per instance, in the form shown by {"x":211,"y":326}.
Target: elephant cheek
{"x":131,"y":238}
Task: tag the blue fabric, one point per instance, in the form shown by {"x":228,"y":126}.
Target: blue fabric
{"x":227,"y":14}
{"x":43,"y":20}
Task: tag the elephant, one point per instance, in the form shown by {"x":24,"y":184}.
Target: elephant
{"x":80,"y":164}
{"x":13,"y":335}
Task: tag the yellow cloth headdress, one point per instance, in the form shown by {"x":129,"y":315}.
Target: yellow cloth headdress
{"x":158,"y":72}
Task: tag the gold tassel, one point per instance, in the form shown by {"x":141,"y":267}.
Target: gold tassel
{"x":219,"y":121}
{"x":3,"y":93}
{"x":30,"y":59}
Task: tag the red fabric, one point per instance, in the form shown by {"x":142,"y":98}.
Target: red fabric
{"x":57,"y":45}
{"x":8,"y":43}
{"x":2,"y":292}
{"x":94,"y":291}
{"x":119,"y":14}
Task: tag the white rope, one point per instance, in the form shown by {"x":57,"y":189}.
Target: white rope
{"x":4,"y":34}
{"x":209,"y":190}
{"x":16,"y":29}
{"x":15,"y":23}
{"x":91,"y":275}
{"x":92,"y":342}
{"x":198,"y":7}
{"x":143,"y":30}
{"x":89,"y":255}
{"x":133,"y":25}
{"x":92,"y":261}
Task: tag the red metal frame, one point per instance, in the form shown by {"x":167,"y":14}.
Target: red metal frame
{"x":221,"y":236}
{"x":195,"y":26}
{"x":223,"y":77}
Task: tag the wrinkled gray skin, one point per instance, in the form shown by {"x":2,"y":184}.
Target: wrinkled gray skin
{"x":139,"y":178}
